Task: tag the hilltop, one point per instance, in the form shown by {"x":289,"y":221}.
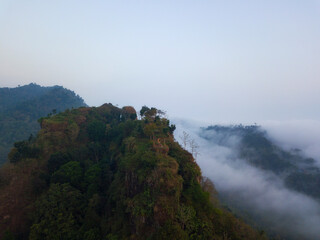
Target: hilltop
{"x":102,"y":173}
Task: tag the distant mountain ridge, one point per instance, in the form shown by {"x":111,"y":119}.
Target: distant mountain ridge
{"x":21,"y":107}
{"x":299,"y":173}
{"x":272,"y":188}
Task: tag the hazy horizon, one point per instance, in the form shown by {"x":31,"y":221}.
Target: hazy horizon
{"x":203,"y":63}
{"x":215,"y":61}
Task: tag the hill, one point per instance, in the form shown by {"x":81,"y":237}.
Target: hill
{"x":21,"y":107}
{"x":100,"y":173}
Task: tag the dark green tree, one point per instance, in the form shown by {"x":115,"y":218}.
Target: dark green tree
{"x":58,"y":214}
{"x":96,"y":130}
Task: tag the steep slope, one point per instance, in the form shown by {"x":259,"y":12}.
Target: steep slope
{"x":99,"y":173}
{"x":21,"y":107}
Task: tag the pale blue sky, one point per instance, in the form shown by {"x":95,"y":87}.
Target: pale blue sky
{"x":233,"y":61}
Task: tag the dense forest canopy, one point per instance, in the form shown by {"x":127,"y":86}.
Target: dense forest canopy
{"x":102,"y":173}
{"x":21,"y":107}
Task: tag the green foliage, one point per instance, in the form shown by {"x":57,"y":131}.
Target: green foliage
{"x":58,"y":214}
{"x":56,"y":160}
{"x":92,"y":179}
{"x":111,"y":236}
{"x":92,"y":174}
{"x":21,"y":107}
{"x":171,"y":230}
{"x":96,"y":130}
{"x":120,"y":178}
{"x":186,"y":218}
{"x":151,"y":114}
{"x":21,"y":150}
{"x":92,"y":234}
{"x":143,"y":110}
{"x":8,"y":236}
{"x":70,"y":172}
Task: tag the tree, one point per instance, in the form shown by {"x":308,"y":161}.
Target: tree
{"x":143,"y":110}
{"x":194,"y":148}
{"x":151,"y":114}
{"x":172,"y":127}
{"x":96,"y":130}
{"x":58,"y":214}
{"x":56,"y":160}
{"x":185,"y":139}
{"x":70,"y":172}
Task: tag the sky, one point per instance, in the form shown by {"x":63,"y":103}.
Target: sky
{"x":218,"y":61}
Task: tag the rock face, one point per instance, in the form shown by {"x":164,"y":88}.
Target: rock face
{"x":99,"y":173}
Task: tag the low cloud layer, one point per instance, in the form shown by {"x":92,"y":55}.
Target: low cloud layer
{"x":258,"y":193}
{"x":301,"y":134}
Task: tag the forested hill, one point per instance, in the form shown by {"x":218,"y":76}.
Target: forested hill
{"x":21,"y":107}
{"x":101,"y":173}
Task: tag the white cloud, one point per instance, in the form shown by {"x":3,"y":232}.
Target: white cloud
{"x":261,"y":193}
{"x":301,"y":134}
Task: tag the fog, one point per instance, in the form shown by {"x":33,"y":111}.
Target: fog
{"x":301,"y":134}
{"x":259,"y":194}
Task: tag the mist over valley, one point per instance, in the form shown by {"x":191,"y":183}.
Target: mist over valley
{"x":274,"y":189}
